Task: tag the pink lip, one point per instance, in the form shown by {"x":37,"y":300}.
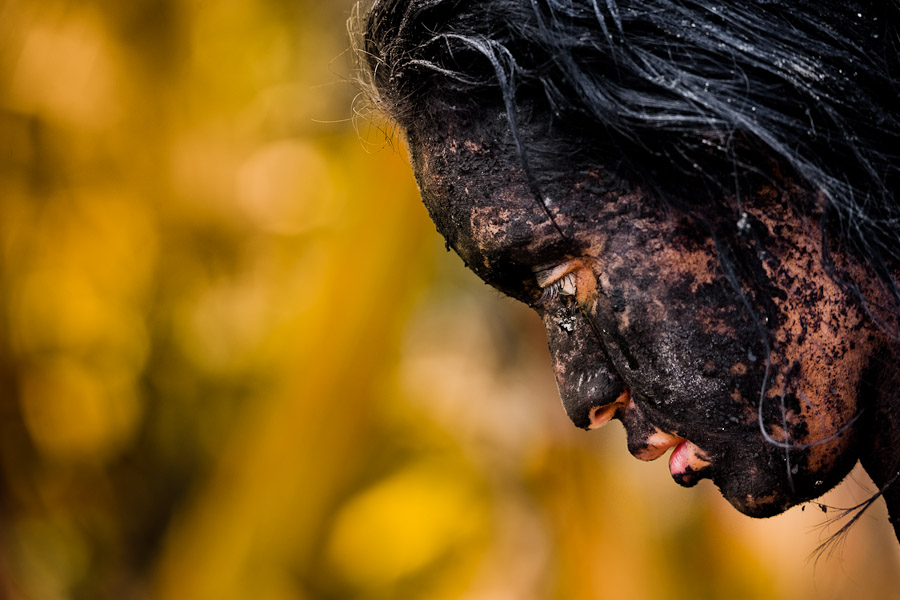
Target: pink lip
{"x":678,"y":461}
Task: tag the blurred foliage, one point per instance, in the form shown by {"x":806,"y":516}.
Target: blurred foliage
{"x":235,"y":361}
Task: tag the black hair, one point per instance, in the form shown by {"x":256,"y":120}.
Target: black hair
{"x":679,"y":91}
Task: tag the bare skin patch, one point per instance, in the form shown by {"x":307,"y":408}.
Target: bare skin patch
{"x":822,"y":348}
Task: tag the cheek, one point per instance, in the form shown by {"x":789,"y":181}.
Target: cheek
{"x":820,"y":360}
{"x":821,"y":351}
{"x":681,"y":338}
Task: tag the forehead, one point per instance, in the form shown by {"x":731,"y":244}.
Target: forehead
{"x":480,"y":199}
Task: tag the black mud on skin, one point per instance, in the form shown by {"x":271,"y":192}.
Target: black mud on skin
{"x":698,"y":345}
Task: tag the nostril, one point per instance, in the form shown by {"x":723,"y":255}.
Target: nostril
{"x":601,"y":415}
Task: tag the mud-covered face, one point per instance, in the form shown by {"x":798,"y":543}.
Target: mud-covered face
{"x":751,"y":368}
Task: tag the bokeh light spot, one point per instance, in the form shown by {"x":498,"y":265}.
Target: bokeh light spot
{"x":404,"y":523}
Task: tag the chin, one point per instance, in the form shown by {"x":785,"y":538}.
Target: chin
{"x":760,"y":494}
{"x":760,"y":507}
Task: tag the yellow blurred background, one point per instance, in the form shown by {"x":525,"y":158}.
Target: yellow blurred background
{"x":236,"y":361}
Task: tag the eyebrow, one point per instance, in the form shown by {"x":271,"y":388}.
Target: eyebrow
{"x":535,"y":255}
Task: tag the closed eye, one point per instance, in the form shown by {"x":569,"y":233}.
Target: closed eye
{"x":564,"y":286}
{"x":574,"y":277}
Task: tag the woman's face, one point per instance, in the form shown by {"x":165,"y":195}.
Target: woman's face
{"x":645,"y":325}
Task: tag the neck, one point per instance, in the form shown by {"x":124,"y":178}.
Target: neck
{"x":881,"y":450}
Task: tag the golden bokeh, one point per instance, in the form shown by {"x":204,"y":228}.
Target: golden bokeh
{"x":236,"y":361}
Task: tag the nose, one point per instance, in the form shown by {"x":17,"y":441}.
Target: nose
{"x":590,"y":388}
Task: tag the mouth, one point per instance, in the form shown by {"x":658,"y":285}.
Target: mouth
{"x":688,"y":463}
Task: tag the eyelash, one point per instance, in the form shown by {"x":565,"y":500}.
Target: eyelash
{"x":564,"y":286}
